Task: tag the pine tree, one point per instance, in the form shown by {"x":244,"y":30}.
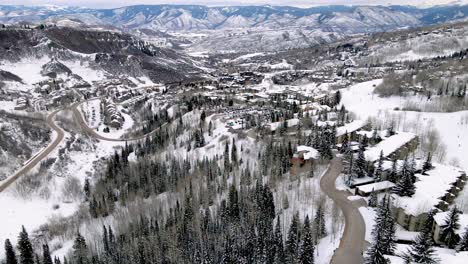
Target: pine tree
{"x":405,"y":185}
{"x":422,"y":250}
{"x":307,"y":247}
{"x":234,"y":152}
{"x":463,"y":245}
{"x":46,"y":258}
{"x":393,"y":175}
{"x":379,"y":170}
{"x":449,"y":235}
{"x":345,"y":144}
{"x":319,"y":223}
{"x":388,"y":227}
{"x":10,"y":255}
{"x":384,"y":235}
{"x":375,"y":253}
{"x":25,"y":248}
{"x":427,"y":164}
{"x":373,"y":202}
{"x":292,"y":243}
{"x":278,"y":241}
{"x":360,"y":168}
{"x":80,"y":250}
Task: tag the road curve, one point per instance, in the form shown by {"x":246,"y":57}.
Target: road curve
{"x":90,"y":131}
{"x":35,"y":160}
{"x":352,"y":243}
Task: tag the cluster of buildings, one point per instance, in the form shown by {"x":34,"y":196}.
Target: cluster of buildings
{"x":113,"y":116}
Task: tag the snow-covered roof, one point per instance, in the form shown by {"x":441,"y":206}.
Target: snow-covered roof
{"x":429,"y":188}
{"x":309,"y":152}
{"x":350,"y":127}
{"x":439,"y":218}
{"x":389,"y":145}
{"x":378,"y":186}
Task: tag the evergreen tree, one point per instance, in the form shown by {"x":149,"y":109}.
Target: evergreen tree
{"x":393,"y":175}
{"x":345,"y":144}
{"x":375,"y":253}
{"x":278,"y":241}
{"x":422,"y":250}
{"x":319,"y":223}
{"x":10,"y":255}
{"x":46,"y":258}
{"x":427,"y":164}
{"x":384,"y":235}
{"x":463,"y":245}
{"x":292,"y":243}
{"x":26,"y":255}
{"x":373,"y":201}
{"x":379,"y":170}
{"x":405,"y":185}
{"x":360,"y":167}
{"x":449,"y":235}
{"x":80,"y":254}
{"x":307,"y":247}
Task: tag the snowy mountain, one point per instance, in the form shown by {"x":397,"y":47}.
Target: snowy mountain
{"x":351,"y":19}
{"x":111,"y":52}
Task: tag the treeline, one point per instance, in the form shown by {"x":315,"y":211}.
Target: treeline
{"x":242,"y":230}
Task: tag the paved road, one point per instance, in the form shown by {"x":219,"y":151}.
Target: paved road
{"x":92,"y":132}
{"x":352,"y":243}
{"x":31,"y":163}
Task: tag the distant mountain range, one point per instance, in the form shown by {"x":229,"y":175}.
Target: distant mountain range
{"x":343,"y":19}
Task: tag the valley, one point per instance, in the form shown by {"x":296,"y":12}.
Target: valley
{"x":236,"y":134}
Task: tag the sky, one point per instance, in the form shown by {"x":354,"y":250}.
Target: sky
{"x":299,"y":3}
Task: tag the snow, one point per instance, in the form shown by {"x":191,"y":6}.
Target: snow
{"x":429,"y":188}
{"x":309,"y":152}
{"x":388,"y":145}
{"x":369,"y":215}
{"x":291,"y":123}
{"x":378,"y":186}
{"x":354,"y":198}
{"x":402,"y":234}
{"x":439,"y":218}
{"x":36,"y":209}
{"x":97,"y":123}
{"x":350,"y":127}
{"x":451,"y":127}
{"x":248,"y":56}
{"x":7,"y":105}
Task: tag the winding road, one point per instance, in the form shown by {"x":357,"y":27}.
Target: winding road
{"x":36,"y":159}
{"x":352,"y":244}
{"x":90,"y":131}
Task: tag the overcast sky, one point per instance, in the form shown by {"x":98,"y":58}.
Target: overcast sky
{"x":300,"y":3}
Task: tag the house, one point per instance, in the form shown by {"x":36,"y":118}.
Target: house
{"x":435,"y":189}
{"x":113,"y":117}
{"x":22,"y":104}
{"x":440,"y":220}
{"x":303,"y":158}
{"x":397,"y":146}
{"x":350,"y":129}
{"x":378,"y":187}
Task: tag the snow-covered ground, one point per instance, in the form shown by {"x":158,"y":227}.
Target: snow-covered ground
{"x":452,"y":127}
{"x":94,"y":118}
{"x":50,"y":200}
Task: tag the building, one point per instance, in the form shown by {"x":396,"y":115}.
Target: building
{"x":440,"y":220}
{"x":351,"y":129}
{"x":378,"y":187}
{"x":113,"y":117}
{"x":303,"y":159}
{"x":397,"y":146}
{"x":436,"y":189}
